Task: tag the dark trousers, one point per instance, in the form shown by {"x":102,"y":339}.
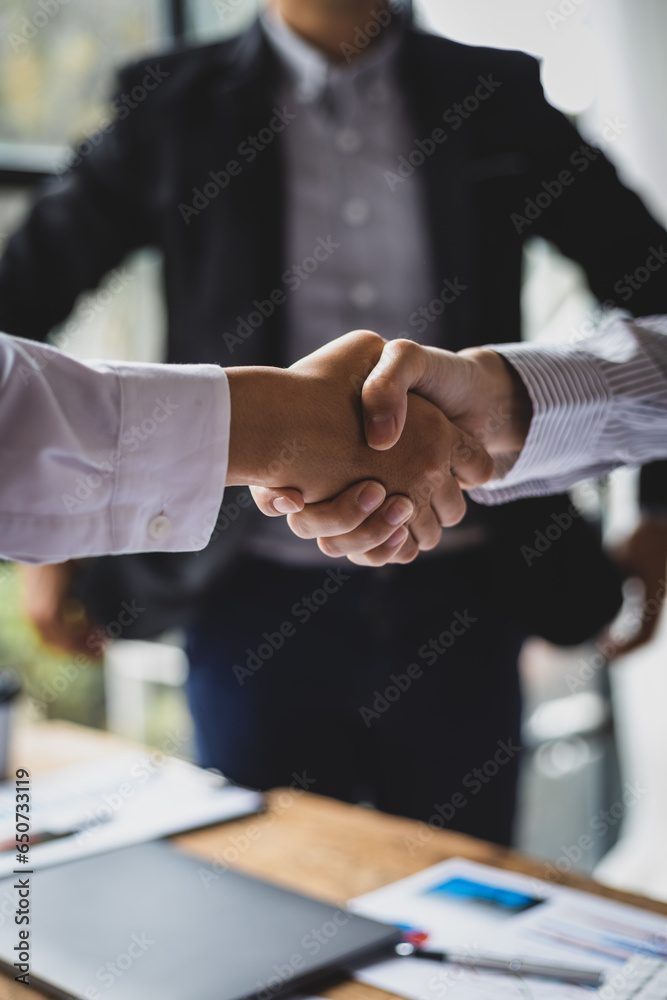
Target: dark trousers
{"x":395,"y":686}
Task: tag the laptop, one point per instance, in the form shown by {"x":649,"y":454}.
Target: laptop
{"x":154,"y":923}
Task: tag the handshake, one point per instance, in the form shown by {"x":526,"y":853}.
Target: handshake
{"x":367,"y":445}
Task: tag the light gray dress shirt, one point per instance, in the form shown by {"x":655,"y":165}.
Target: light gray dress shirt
{"x":351,"y":126}
{"x":107,"y":456}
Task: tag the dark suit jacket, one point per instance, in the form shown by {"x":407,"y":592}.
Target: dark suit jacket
{"x":479,"y":184}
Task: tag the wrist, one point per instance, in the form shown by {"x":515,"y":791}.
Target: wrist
{"x":258,"y":403}
{"x":504,"y":409}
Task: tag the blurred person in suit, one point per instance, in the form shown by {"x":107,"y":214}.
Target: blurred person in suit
{"x":335,"y":168}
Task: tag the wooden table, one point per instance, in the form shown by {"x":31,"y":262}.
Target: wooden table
{"x":303,"y":841}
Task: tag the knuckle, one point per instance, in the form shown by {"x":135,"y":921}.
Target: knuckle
{"x":383,"y":382}
{"x":337,"y":523}
{"x":329,"y":546}
{"x":404,"y":349}
{"x":431,"y":539}
{"x":455,"y":512}
{"x":374,"y":555}
{"x":382,"y":387}
{"x":369,"y":337}
{"x":299,"y":526}
{"x":368,"y":537}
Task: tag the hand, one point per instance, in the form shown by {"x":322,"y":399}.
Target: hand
{"x":318,"y":441}
{"x":59,"y":619}
{"x":346,"y":525}
{"x":643,"y":555}
{"x":476,"y":389}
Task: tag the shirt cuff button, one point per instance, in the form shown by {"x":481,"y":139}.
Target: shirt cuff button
{"x":159,"y":527}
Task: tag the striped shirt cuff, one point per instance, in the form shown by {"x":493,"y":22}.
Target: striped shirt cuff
{"x":596,"y":405}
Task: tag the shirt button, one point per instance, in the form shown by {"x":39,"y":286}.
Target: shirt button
{"x":363,"y":294}
{"x":348,"y":140}
{"x":159,"y":527}
{"x":356,"y":212}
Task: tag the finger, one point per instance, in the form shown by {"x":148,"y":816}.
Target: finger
{"x":470,"y":462}
{"x":276,"y":502}
{"x":341,"y":515}
{"x":373,"y":531}
{"x":425,"y":528}
{"x":401,"y":367}
{"x":406,"y":552}
{"x":448,"y":503}
{"x":440,"y":491}
{"x":399,"y":548}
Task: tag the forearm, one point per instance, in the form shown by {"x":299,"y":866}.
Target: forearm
{"x":596,"y":405}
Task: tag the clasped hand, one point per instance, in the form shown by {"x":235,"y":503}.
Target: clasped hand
{"x":316,"y":447}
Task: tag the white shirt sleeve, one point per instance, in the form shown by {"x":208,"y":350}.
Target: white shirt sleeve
{"x":107,"y":457}
{"x":597,"y":404}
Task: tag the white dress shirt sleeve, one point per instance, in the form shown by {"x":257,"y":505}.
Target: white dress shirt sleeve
{"x":597,"y":404}
{"x":107,"y":457}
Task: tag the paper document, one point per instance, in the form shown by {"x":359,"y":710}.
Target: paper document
{"x":123,"y":799}
{"x":474,"y":908}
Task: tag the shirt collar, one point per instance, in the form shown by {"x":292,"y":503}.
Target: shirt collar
{"x":311,"y":71}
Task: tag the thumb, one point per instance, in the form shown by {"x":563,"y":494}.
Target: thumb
{"x":402,"y":366}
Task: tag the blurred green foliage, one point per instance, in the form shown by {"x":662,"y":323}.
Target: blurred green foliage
{"x":58,"y":686}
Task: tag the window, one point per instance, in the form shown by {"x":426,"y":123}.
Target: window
{"x":57,"y":68}
{"x":58,"y":60}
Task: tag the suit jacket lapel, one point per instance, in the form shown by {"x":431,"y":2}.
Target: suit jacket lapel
{"x":255,"y":210}
{"x":446,"y":179}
